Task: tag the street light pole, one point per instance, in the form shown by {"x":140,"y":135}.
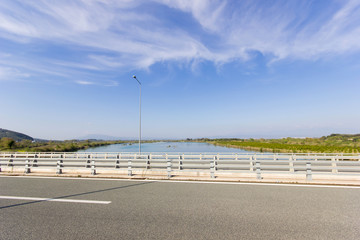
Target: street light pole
{"x":139,"y":114}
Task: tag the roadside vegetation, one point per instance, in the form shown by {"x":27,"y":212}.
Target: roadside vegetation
{"x":342,"y":143}
{"x":10,"y":145}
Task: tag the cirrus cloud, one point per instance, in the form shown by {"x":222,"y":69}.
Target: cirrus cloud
{"x":131,"y":34}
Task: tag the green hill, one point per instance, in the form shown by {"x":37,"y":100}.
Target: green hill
{"x":14,"y":135}
{"x":342,"y":138}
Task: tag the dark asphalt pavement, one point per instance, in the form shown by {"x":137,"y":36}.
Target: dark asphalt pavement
{"x":168,"y":210}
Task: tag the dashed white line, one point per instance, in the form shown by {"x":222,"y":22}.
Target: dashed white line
{"x":54,"y":200}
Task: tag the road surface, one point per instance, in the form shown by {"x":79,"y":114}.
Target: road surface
{"x":77,"y":208}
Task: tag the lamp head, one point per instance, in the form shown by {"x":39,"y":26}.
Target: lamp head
{"x":134,"y":76}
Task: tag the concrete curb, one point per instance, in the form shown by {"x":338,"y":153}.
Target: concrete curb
{"x":192,"y":178}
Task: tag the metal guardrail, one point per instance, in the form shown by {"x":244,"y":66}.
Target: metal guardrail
{"x":212,"y":163}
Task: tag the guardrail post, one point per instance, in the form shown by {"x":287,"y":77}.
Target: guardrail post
{"x":181,"y":158}
{"x":148,"y":161}
{"x":93,"y":170}
{"x":11,"y":161}
{"x":258,"y":170}
{"x":87,"y":161}
{"x":35,"y":163}
{"x":168,"y":166}
{"x":61,"y":156}
{"x":180,"y":163}
{"x":212,"y":168}
{"x":35,"y":160}
{"x":216,"y":162}
{"x":59,"y":167}
{"x":308,"y":171}
{"x":27,"y":166}
{"x":251,"y":163}
{"x":129,"y":166}
{"x":333,"y":165}
{"x":291,"y":164}
{"x":117,"y":161}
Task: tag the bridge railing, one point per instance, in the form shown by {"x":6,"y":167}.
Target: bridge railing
{"x":175,"y":163}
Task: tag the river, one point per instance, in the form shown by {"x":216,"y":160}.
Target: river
{"x":178,"y":147}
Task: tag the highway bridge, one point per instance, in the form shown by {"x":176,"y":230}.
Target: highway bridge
{"x":94,"y":208}
{"x":274,"y":167}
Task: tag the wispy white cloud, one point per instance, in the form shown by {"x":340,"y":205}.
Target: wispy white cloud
{"x":113,"y":34}
{"x":282,"y":29}
{"x":209,"y":13}
{"x":7,"y":73}
{"x":82,"y":82}
{"x":104,"y":83}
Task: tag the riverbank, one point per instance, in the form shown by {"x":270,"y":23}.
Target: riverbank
{"x":335,"y":143}
{"x":56,"y":146}
{"x":65,"y":146}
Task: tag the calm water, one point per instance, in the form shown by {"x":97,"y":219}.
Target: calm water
{"x":179,"y":147}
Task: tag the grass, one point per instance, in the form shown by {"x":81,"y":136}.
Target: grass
{"x":334,"y":143}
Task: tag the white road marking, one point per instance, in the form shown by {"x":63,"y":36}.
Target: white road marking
{"x":55,"y":200}
{"x":190,"y":181}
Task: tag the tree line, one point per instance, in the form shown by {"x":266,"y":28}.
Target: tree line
{"x":9,"y":144}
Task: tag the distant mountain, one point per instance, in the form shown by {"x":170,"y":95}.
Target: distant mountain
{"x":98,"y":137}
{"x":14,"y":135}
{"x":41,"y":140}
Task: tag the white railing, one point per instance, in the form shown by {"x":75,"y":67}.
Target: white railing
{"x":175,"y":163}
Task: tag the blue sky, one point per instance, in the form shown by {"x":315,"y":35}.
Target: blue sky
{"x":208,"y":68}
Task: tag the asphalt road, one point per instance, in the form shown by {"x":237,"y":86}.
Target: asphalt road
{"x":170,"y":210}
